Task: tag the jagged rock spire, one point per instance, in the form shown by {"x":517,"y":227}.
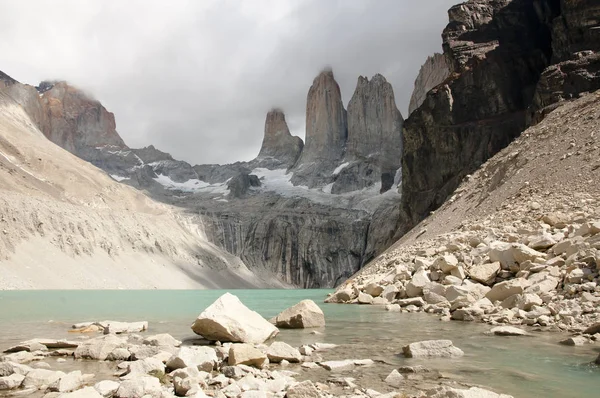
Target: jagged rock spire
{"x":375,"y":124}
{"x":278,"y":143}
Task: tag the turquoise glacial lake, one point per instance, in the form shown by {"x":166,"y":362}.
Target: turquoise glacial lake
{"x":524,"y":367}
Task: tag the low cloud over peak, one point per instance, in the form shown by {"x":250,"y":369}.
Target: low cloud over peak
{"x":196,"y":78}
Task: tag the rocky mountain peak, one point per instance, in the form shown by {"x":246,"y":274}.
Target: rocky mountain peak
{"x":433,"y":72}
{"x":375,"y":124}
{"x":78,"y":122}
{"x":279,"y":146}
{"x":6,"y":80}
{"x":326,"y":130}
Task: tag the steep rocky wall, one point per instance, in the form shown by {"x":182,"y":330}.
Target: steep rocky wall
{"x":511,"y":62}
{"x":497,"y":51}
{"x":433,"y":72}
{"x":305,"y":244}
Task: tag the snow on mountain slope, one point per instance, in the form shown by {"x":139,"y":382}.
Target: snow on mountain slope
{"x":66,"y":224}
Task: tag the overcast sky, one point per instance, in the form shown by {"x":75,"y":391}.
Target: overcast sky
{"x":196,"y":78}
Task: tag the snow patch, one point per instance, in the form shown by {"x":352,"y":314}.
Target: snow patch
{"x":340,"y":168}
{"x":118,"y":178}
{"x":192,"y":185}
{"x":367,"y":199}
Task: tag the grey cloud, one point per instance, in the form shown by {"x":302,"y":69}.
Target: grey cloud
{"x":196,"y":78}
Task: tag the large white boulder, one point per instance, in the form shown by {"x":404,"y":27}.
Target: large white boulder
{"x":305,"y":314}
{"x":432,"y":349}
{"x":227,"y":319}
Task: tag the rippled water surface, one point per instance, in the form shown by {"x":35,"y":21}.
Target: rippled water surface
{"x":524,"y":367}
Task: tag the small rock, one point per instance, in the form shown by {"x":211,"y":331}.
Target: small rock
{"x":432,"y":349}
{"x":395,"y":379}
{"x":246,"y":354}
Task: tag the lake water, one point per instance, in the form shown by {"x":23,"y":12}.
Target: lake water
{"x":524,"y":367}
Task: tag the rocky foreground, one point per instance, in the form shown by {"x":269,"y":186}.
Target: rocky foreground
{"x":237,"y":356}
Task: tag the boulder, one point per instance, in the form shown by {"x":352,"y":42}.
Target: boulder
{"x":575,"y":341}
{"x":446,"y":263}
{"x":246,"y":354}
{"x":37,"y":378}
{"x":227,"y":319}
{"x":7,"y":368}
{"x":202,"y":358}
{"x":390,"y":292}
{"x":432,"y":349}
{"x":107,"y":388}
{"x":485,"y":273}
{"x":508,"y":331}
{"x":364,"y":298}
{"x":163,"y":339}
{"x":395,"y":379}
{"x":69,"y":382}
{"x":305,"y":314}
{"x":305,"y":389}
{"x":416,"y":284}
{"x":595,"y":328}
{"x":145,"y":366}
{"x":99,"y":348}
{"x":279,"y":351}
{"x":11,"y":382}
{"x":139,"y":387}
{"x":503,"y":290}
{"x":373,"y":289}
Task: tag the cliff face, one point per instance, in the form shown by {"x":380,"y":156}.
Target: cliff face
{"x":279,"y":148}
{"x":77,"y":122}
{"x":508,"y":60}
{"x":433,"y":72}
{"x":326,"y":132}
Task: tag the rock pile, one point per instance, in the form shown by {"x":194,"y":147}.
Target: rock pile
{"x":159,"y":366}
{"x":547,"y":275}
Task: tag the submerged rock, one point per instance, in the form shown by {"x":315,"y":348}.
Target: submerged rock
{"x":508,"y":331}
{"x":432,"y":349}
{"x":227,"y":319}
